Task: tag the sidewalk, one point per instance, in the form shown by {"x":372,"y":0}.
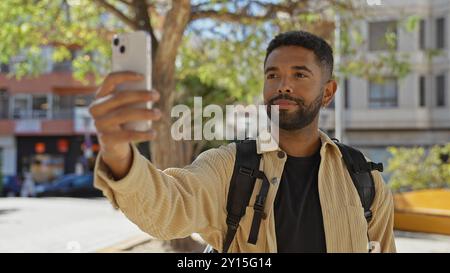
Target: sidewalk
{"x":61,"y":225}
{"x":413,"y":242}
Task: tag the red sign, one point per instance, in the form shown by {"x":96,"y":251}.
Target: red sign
{"x":63,"y":145}
{"x":39,"y":147}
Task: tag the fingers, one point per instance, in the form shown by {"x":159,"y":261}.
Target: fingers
{"x":113,"y":120}
{"x":113,"y":79}
{"x":120,"y":137}
{"x":111,"y":102}
{"x":111,"y":110}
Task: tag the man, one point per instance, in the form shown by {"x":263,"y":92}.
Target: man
{"x":312,"y":204}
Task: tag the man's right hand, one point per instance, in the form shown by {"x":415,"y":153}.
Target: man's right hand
{"x":110,"y":110}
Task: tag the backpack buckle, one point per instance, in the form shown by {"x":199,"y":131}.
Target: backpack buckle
{"x":376,"y":166}
{"x":246,"y":171}
{"x":232,"y":222}
{"x":258,"y":207}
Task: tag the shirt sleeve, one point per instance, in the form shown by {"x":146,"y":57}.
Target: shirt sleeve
{"x":176,"y":202}
{"x":381,"y":227}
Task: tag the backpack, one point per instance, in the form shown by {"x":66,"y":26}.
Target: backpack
{"x":246,"y":171}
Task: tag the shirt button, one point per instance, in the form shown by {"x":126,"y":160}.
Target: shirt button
{"x":274,"y":180}
{"x":280,"y":154}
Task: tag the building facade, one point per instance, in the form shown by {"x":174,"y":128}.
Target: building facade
{"x":409,"y":111}
{"x":45,"y":127}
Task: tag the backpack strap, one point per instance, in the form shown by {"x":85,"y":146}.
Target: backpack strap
{"x":241,"y":187}
{"x":360,"y":172}
{"x":258,"y":206}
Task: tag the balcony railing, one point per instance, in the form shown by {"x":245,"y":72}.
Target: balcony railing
{"x":39,"y":114}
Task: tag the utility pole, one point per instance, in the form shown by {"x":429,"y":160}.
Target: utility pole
{"x":339,"y":128}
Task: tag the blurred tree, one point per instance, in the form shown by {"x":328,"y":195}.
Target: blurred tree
{"x":416,"y":168}
{"x":210,"y":49}
{"x":28,"y":26}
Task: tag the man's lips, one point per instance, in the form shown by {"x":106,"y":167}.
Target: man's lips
{"x":285,"y":104}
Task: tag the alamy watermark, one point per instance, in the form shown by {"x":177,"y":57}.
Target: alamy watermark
{"x":237,"y":123}
{"x":373,"y":2}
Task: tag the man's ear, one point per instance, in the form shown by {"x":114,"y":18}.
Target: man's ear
{"x":329,"y":91}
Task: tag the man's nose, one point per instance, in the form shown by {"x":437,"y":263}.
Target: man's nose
{"x":285,"y":87}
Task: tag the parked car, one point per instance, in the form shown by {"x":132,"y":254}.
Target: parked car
{"x":70,"y":185}
{"x":11,"y":186}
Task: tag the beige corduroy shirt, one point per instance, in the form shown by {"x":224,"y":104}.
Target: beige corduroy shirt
{"x":177,"y":202}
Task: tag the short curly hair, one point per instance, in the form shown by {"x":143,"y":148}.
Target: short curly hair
{"x":322,"y":50}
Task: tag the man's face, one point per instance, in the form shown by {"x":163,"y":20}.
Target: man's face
{"x":294,"y":81}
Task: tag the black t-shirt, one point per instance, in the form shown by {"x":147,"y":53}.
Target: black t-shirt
{"x":298,"y":215}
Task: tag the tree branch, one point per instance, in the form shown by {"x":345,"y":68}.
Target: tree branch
{"x":142,"y":18}
{"x":270,"y":10}
{"x":125,"y":19}
{"x":245,"y":13}
{"x":208,"y":2}
{"x":125,"y":2}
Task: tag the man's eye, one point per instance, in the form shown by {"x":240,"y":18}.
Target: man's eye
{"x":300,"y":75}
{"x":271,"y":76}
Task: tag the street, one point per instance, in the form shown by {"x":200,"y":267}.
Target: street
{"x":412,"y":242}
{"x":88,"y":225}
{"x":61,"y":225}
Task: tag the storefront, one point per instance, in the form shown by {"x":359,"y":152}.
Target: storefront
{"x":48,"y":157}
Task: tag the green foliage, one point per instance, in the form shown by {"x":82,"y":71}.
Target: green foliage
{"x":431,"y":53}
{"x":233,"y":63}
{"x":375,"y":67}
{"x":27,"y":26}
{"x":227,"y":55}
{"x":416,"y":168}
{"x":411,"y":22}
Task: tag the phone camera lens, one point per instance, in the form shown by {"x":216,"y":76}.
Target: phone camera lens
{"x":122,"y":49}
{"x":116,"y":41}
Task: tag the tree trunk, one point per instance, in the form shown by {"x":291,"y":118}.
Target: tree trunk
{"x":166,"y":152}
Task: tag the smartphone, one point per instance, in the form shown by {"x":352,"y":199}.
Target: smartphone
{"x":132,"y":52}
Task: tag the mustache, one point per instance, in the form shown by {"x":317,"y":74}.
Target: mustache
{"x":285,"y":96}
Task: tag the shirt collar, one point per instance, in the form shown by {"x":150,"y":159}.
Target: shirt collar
{"x":268,"y":144}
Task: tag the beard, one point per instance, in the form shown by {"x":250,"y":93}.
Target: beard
{"x":300,"y":118}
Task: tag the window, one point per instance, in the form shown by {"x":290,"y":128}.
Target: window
{"x":84,"y":100}
{"x":378,"y":32}
{"x":332,"y":104}
{"x":64,"y":102}
{"x":27,"y":106}
{"x":63,"y":106}
{"x":422,"y":37}
{"x":383,"y":95}
{"x":40,"y":106}
{"x":422,"y":91}
{"x":440,"y":90}
{"x":3,"y":103}
{"x":440,"y":33}
{"x":65,"y":65}
{"x":21,"y":108}
{"x":4,"y":68}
